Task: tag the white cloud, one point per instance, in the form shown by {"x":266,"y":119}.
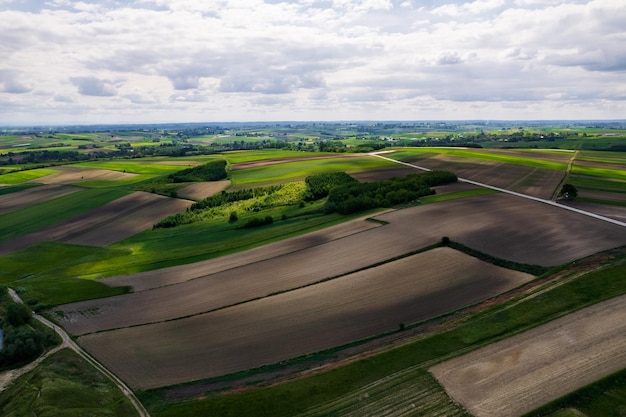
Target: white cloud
{"x":310,"y":59}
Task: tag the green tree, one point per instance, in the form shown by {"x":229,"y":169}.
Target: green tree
{"x":568,"y":192}
{"x":18,"y":314}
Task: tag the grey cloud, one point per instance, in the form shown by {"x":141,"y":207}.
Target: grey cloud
{"x":9,"y":80}
{"x":92,"y":86}
{"x":449,"y":58}
{"x":592,"y":60}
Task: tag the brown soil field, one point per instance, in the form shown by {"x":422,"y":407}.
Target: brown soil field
{"x":105,"y":225}
{"x":174,"y":275}
{"x":501,"y":225}
{"x":523,"y":179}
{"x":299,"y":322}
{"x":70,"y":175}
{"x":613,"y":212}
{"x":526,"y":371}
{"x":200,"y":190}
{"x":32,"y":196}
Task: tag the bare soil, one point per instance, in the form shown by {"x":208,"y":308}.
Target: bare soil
{"x":31,"y":196}
{"x":105,"y":225}
{"x":503,"y":226}
{"x":200,"y":190}
{"x":526,"y":371}
{"x":523,"y":179}
{"x":71,"y":175}
{"x":300,"y":322}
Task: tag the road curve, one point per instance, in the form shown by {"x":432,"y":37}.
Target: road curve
{"x":529,"y":197}
{"x":68,"y":342}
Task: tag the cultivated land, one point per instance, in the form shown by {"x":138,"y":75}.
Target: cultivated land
{"x":107,"y":224}
{"x":200,"y":190}
{"x":523,"y":372}
{"x":280,"y":300}
{"x":31,"y":196}
{"x":300,"y":322}
{"x":74,"y":174}
{"x":541,"y":234}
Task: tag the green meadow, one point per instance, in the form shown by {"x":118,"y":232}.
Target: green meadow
{"x":19,"y":177}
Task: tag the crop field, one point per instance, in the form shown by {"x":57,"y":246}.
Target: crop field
{"x":45,"y":214}
{"x":302,"y":321}
{"x":31,"y":196}
{"x":104,"y":225}
{"x":293,"y":171}
{"x":521,"y":373}
{"x":27,"y":175}
{"x":541,"y":234}
{"x":532,"y":173}
{"x":72,"y":174}
{"x":200,"y":190}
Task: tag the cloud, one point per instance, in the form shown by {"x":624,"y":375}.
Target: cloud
{"x":238,"y":60}
{"x":10,"y":83}
{"x":92,"y":86}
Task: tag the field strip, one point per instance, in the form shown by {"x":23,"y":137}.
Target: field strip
{"x":521,"y":373}
{"x":300,"y":322}
{"x":541,"y":200}
{"x":106,"y":224}
{"x":178,"y":274}
{"x":32,"y":196}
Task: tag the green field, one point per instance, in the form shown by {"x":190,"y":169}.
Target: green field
{"x":293,"y":171}
{"x":64,"y":385}
{"x":26,"y":175}
{"x":406,"y":153}
{"x":30,"y":219}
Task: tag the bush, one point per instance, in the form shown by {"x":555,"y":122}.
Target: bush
{"x":319,"y":185}
{"x":257,"y":221}
{"x":233,"y":217}
{"x":18,"y":314}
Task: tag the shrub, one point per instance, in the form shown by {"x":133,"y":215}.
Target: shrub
{"x":18,"y":314}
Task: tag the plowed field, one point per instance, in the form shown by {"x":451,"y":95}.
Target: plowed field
{"x":200,"y":190}
{"x":70,"y":175}
{"x":299,"y":322}
{"x":519,"y":374}
{"x":110,"y":223}
{"x":32,"y":196}
{"x":501,"y":225}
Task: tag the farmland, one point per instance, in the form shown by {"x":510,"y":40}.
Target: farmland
{"x":355,"y":309}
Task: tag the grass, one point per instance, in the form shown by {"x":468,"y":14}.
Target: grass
{"x":604,"y":398}
{"x":64,"y":385}
{"x":292,"y":171}
{"x":606,"y":173}
{"x":26,"y":175}
{"x":236,"y":157}
{"x":30,"y":219}
{"x":486,"y":327}
{"x":143,"y":166}
{"x":65,"y":273}
{"x":453,"y":196}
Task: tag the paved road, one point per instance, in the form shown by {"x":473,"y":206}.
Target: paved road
{"x":529,"y":197}
{"x":69,"y":343}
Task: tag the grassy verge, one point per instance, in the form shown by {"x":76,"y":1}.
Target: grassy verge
{"x":486,"y":327}
{"x":64,"y":385}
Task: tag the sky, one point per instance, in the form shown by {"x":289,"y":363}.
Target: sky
{"x":153,"y":61}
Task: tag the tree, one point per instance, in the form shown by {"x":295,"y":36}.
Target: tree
{"x":18,"y":314}
{"x":568,"y":192}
